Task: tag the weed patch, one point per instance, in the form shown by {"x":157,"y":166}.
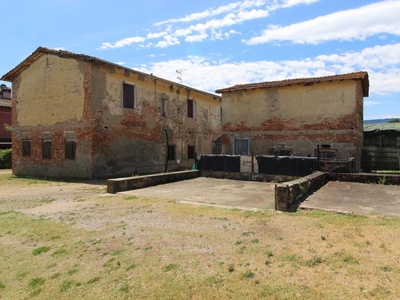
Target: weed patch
{"x":41,"y":250}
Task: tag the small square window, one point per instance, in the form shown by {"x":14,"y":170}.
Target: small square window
{"x":26,"y":148}
{"x":171,"y":152}
{"x":190,"y":108}
{"x":128,"y":96}
{"x":191,"y":152}
{"x":46,"y":149}
{"x":70,"y":148}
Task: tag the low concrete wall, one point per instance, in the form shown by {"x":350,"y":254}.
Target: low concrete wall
{"x":287,"y":194}
{"x":131,"y":183}
{"x":366,"y":178}
{"x":248,"y":176}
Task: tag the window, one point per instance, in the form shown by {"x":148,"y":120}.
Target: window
{"x":191,"y":152}
{"x":164,"y":106}
{"x":128,"y":95}
{"x":171,"y":152}
{"x":46,"y":149}
{"x":26,"y":148}
{"x":241,"y":147}
{"x":70,"y":147}
{"x":217,"y":146}
{"x":190,"y":108}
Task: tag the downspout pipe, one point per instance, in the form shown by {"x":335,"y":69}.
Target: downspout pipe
{"x":166,"y":159}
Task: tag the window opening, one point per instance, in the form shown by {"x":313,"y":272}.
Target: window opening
{"x":128,"y":96}
{"x":190,"y":108}
{"x":191,"y":152}
{"x":241,"y":147}
{"x":70,"y":149}
{"x":46,"y":149}
{"x":171,"y":152}
{"x":26,"y":148}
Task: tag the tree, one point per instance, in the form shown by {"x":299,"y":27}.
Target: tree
{"x":395,"y":120}
{"x":7,"y":127}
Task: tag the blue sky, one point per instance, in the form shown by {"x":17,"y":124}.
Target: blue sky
{"x":220,"y":43}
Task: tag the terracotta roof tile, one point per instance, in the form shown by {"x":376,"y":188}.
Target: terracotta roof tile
{"x":5,"y":103}
{"x":302,"y":81}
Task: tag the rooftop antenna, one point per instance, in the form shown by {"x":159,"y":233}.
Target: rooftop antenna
{"x":179,"y":75}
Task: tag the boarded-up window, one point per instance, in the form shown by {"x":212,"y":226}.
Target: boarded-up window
{"x":46,"y":149}
{"x":26,"y":148}
{"x":70,"y":148}
{"x":241,"y":147}
{"x":190,"y":108}
{"x":171,"y":152}
{"x":191,"y":152}
{"x":128,"y":95}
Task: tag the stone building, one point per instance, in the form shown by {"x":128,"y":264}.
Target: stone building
{"x":79,"y":116}
{"x":295,"y":117}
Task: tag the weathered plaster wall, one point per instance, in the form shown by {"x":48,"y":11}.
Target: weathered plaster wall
{"x":134,"y":141}
{"x":297,"y":117}
{"x":50,"y":92}
{"x":49,"y":103}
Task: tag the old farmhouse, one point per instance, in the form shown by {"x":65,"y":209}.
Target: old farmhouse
{"x":296,"y":117}
{"x":78,"y":116}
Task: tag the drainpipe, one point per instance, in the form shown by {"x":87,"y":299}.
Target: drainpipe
{"x":166,"y":160}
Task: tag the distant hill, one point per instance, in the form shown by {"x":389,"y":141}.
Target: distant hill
{"x":378,"y":121}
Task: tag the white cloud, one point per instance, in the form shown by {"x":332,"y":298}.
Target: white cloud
{"x":214,"y":20}
{"x":196,"y":38}
{"x":355,"y":24}
{"x":123,"y":42}
{"x":381,"y":62}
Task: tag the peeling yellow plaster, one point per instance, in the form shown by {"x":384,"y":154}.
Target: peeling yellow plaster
{"x":51,"y":92}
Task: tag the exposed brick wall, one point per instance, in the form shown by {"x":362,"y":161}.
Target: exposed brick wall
{"x":340,"y":129}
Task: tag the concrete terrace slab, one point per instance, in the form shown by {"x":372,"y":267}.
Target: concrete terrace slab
{"x":360,"y":198}
{"x":220,"y":192}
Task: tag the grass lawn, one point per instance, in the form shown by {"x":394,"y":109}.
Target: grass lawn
{"x":69,"y":241}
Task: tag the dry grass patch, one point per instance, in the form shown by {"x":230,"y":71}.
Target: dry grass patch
{"x":120,"y":247}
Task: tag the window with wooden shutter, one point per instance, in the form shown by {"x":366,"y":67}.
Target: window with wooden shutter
{"x":128,"y":96}
{"x":46,"y":149}
{"x":190,"y":108}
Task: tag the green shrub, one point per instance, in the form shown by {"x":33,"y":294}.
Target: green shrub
{"x":5,"y":157}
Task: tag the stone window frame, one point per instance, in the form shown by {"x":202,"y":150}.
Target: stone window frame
{"x":129,"y":91}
